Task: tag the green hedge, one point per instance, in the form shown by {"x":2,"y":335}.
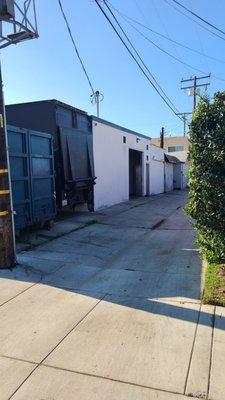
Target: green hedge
{"x":207,"y":176}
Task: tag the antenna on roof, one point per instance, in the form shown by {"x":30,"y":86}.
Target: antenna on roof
{"x":97,"y":98}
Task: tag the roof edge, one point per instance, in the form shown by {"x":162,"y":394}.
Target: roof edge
{"x":48,"y":101}
{"x":116,"y":126}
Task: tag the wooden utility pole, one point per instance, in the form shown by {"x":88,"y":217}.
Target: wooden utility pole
{"x":194,"y":87}
{"x":184,"y":117}
{"x":7,"y":251}
{"x":17,"y":23}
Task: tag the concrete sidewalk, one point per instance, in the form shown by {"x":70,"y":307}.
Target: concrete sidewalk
{"x":111,"y":310}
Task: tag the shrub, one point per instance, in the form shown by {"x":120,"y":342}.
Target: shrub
{"x":207,"y":176}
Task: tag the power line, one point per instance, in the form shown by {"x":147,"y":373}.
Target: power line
{"x":192,"y":19}
{"x":171,"y":55}
{"x":202,"y":48}
{"x":165,"y":37}
{"x":75,"y":47}
{"x":163,"y":50}
{"x":133,"y":57}
{"x":167,"y":34}
{"x":136,"y":52}
{"x":174,"y":57}
{"x":199,"y":17}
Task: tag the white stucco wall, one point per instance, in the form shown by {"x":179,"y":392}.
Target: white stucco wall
{"x":180,"y":175}
{"x":185,"y":174}
{"x":177,"y":176}
{"x":111,"y":160}
{"x":156,"y":170}
{"x":168,"y":177}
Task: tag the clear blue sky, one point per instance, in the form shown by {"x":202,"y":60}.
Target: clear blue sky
{"x":48,"y":68}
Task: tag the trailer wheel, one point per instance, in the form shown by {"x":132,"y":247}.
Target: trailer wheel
{"x":49,"y":224}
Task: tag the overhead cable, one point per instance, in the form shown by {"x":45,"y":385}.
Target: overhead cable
{"x":199,"y":17}
{"x":168,"y":102}
{"x":193,"y":20}
{"x":172,"y":56}
{"x":75,"y":47}
{"x":136,"y":52}
{"x":147,"y":27}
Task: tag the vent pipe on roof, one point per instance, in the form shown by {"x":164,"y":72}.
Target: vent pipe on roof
{"x":162,"y":137}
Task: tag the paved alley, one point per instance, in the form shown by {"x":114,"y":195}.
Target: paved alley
{"x":111,"y":310}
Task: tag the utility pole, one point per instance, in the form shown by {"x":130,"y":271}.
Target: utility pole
{"x":162,"y":134}
{"x":7,"y":251}
{"x":185,"y":121}
{"x":15,"y":26}
{"x":97,"y":93}
{"x":193,"y":89}
{"x":97,"y":98}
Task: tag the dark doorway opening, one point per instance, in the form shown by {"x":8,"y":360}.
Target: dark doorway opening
{"x":135,"y":173}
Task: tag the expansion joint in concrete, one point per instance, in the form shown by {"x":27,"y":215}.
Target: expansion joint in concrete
{"x":20,"y":293}
{"x":64,"y":337}
{"x":192,"y":350}
{"x":170,"y":392}
{"x":211,"y":349}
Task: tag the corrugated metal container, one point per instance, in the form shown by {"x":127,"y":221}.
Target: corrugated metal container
{"x":72,"y":143}
{"x":32,"y":176}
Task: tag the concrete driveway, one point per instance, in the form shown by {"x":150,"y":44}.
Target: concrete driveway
{"x":111,"y":310}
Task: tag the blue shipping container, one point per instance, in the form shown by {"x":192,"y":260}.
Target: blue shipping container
{"x":32,"y":176}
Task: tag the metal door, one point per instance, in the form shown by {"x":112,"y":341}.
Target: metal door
{"x":32,"y":176}
{"x":20,"y":176}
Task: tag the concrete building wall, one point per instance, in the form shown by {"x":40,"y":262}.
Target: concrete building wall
{"x":174,"y":141}
{"x":168,"y":177}
{"x":180,"y":175}
{"x":177,"y":176}
{"x":111,"y":160}
{"x":156,"y":170}
{"x":185,"y":170}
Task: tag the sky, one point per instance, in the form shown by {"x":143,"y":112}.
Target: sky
{"x":47,"y":67}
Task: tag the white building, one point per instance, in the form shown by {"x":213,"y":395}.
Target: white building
{"x":177,"y":147}
{"x":176,"y":173}
{"x":126,"y":164}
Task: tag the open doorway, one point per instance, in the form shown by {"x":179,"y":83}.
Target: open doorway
{"x":135,"y":173}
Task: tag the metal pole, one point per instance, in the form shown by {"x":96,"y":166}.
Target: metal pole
{"x":162,"y":138}
{"x":195,"y":91}
{"x":184,"y":117}
{"x":7,"y":249}
{"x":97,"y":93}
